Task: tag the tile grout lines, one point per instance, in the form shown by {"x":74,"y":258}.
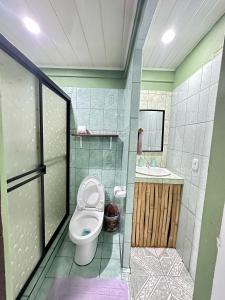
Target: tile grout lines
{"x":165,"y":276}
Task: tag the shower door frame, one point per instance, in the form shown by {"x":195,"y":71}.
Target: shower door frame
{"x":40,"y":171}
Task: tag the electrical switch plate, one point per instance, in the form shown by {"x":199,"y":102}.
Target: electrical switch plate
{"x":195,"y":164}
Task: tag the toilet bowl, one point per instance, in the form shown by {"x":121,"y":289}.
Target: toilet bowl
{"x":87,"y":220}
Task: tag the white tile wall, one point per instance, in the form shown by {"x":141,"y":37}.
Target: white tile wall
{"x":191,"y":127}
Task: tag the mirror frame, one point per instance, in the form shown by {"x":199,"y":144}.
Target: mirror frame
{"x":163,"y":123}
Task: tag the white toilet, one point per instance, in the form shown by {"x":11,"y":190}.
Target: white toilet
{"x":87,"y":220}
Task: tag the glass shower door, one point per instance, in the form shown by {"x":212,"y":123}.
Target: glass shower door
{"x":20,"y":118}
{"x":55,"y":159}
{"x":35,"y":124}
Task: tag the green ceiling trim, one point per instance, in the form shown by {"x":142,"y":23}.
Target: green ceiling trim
{"x":206,"y":49}
{"x":158,"y":75}
{"x":151,"y":79}
{"x":82,"y":73}
{"x":86,"y":78}
{"x":88,"y":82}
{"x":157,"y":80}
{"x":157,"y":86}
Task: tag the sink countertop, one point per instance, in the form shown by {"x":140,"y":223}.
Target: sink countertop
{"x":170,"y":179}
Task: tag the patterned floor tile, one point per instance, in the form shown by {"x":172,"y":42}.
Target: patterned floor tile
{"x":143,"y":252}
{"x":151,"y":288}
{"x":143,"y":265}
{"x":136,"y":252}
{"x":153,"y":266}
{"x":159,"y":274}
{"x":150,"y":252}
{"x":137,"y":282}
{"x":138,"y":269}
{"x":130,"y":290}
{"x":166,"y":252}
{"x":171,"y":262}
{"x":181,"y":287}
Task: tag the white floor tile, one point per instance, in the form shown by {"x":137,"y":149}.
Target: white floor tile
{"x":159,"y":273}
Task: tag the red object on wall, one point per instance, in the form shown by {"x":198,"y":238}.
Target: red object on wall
{"x":139,"y":141}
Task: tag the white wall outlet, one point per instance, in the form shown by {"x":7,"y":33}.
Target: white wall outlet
{"x":195,"y":164}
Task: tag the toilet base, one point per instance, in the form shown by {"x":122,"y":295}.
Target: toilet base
{"x":85,"y":253}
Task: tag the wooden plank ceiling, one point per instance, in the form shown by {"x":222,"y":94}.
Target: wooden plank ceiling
{"x":91,"y":34}
{"x":190,"y":19}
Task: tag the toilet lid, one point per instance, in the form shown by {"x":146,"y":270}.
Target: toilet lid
{"x":90,"y":193}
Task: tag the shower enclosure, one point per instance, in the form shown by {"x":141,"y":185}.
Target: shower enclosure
{"x":35,"y":121}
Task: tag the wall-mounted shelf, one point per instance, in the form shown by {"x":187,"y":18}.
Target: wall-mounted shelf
{"x":95,"y":134}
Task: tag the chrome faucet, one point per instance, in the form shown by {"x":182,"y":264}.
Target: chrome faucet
{"x":151,"y":163}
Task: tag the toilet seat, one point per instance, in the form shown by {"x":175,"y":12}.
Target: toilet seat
{"x":90,"y":195}
{"x":87,"y":219}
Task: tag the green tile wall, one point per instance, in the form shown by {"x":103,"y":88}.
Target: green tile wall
{"x":98,"y":109}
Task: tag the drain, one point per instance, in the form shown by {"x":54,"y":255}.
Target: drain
{"x":86,"y":231}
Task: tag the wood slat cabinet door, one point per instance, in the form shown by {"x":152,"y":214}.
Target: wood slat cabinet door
{"x":156,"y":214}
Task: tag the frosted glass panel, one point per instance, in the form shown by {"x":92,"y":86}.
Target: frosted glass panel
{"x":19,"y":101}
{"x":24,"y":232}
{"x":54,"y":124}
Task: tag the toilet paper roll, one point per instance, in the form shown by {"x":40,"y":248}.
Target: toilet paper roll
{"x":81,"y":129}
{"x":120,"y":191}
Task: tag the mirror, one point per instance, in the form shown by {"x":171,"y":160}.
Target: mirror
{"x":152,"y":123}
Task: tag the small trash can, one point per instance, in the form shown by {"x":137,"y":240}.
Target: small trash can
{"x":111,"y":217}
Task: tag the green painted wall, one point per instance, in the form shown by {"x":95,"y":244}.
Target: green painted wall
{"x":157,"y":86}
{"x":151,"y":79}
{"x":214,"y":200}
{"x":202,"y":53}
{"x":157,"y":80}
{"x":87,"y":78}
{"x":157,"y":75}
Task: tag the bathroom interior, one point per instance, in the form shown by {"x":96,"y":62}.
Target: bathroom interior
{"x":120,"y":105}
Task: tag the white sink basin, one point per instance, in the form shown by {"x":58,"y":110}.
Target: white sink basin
{"x":153,"y":171}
